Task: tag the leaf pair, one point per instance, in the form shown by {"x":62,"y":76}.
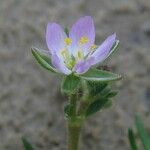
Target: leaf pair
{"x":72,"y":82}
{"x":100,"y":95}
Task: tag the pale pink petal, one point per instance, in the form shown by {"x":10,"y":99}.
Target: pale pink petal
{"x":83,"y":66}
{"x":84,"y":27}
{"x":55,"y":36}
{"x":59,"y":64}
{"x":104,"y":49}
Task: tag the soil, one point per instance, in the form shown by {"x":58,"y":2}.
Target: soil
{"x":31,"y":104}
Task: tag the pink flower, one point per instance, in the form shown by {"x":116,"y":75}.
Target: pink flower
{"x":77,"y":51}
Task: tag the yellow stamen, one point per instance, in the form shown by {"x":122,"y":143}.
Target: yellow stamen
{"x":93,"y":47}
{"x":67,"y":41}
{"x":65,"y":53}
{"x":80,"y":55}
{"x":83,"y":40}
{"x":67,"y":58}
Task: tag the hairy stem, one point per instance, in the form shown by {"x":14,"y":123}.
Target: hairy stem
{"x":74,"y":124}
{"x":73,"y":104}
{"x":73,"y":136}
{"x":85,"y":99}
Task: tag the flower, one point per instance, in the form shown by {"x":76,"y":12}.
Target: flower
{"x":77,"y":51}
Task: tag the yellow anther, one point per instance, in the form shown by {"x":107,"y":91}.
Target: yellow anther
{"x":83,"y":40}
{"x":93,"y":47}
{"x":67,"y":41}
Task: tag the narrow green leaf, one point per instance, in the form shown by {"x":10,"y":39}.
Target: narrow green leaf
{"x":105,"y":92}
{"x":100,"y":76}
{"x":96,"y":106}
{"x":70,"y":84}
{"x":26,"y":144}
{"x":42,"y":60}
{"x":112,"y":94}
{"x":142,"y":133}
{"x":132,"y":140}
{"x":95,"y":87}
{"x":108,"y":104}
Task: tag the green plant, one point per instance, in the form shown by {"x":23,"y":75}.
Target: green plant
{"x":75,"y":57}
{"x":143,"y":135}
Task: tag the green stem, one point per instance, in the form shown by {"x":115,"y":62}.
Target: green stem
{"x":73,"y":104}
{"x":73,"y":136}
{"x":83,"y":107}
{"x":85,"y":101}
{"x":74,"y":124}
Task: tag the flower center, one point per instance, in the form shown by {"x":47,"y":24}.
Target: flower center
{"x":71,"y":60}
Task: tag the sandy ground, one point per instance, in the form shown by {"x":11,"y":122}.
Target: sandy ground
{"x":30,"y":101}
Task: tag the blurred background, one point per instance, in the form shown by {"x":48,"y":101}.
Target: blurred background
{"x":31,"y":104}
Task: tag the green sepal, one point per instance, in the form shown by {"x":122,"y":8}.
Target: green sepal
{"x":132,"y":140}
{"x":96,"y":106}
{"x":43,"y":60}
{"x":100,"y":76}
{"x":66,"y":31}
{"x":26,"y":144}
{"x":70,"y":84}
{"x":114,"y":48}
{"x":142,"y":133}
